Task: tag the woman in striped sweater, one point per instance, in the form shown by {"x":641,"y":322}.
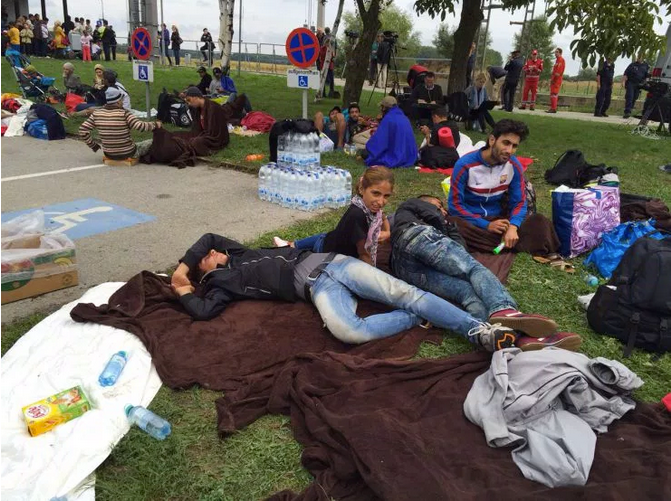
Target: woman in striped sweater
{"x":113,"y":124}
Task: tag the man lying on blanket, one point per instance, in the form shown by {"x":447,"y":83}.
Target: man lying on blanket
{"x":228,"y":271}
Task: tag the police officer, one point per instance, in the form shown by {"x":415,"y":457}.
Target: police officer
{"x":604,"y":87}
{"x":634,"y":76}
{"x":514,"y":68}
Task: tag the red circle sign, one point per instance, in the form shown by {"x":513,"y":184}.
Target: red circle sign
{"x":140,"y":44}
{"x":302,"y":48}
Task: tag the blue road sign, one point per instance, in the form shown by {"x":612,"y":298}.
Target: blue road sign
{"x":143,"y":73}
{"x":302,"y":47}
{"x":303,"y":81}
{"x":141,"y":43}
{"x":85,"y":217}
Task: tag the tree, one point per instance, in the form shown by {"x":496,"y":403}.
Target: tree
{"x":329,"y":52}
{"x":601,"y":28}
{"x":428,"y":52}
{"x":538,"y":35}
{"x":393,"y":19}
{"x":226,"y":32}
{"x":586,"y":74}
{"x":444,"y":40}
{"x":621,"y":28}
{"x":357,"y":66}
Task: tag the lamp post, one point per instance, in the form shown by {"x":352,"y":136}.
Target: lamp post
{"x":240,"y":38}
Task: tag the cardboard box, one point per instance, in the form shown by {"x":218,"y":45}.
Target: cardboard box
{"x":37,"y":264}
{"x":46,"y":414}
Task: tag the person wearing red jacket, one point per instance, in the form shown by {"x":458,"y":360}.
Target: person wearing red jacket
{"x":556,"y":80}
{"x":532,"y":72}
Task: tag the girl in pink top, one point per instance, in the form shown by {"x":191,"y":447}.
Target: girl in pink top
{"x":86,"y":46}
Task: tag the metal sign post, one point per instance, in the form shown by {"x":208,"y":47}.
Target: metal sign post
{"x":302,"y":51}
{"x":303,"y":79}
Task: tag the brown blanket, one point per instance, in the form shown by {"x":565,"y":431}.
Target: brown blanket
{"x":206,"y":136}
{"x":391,"y":430}
{"x":249,"y":338}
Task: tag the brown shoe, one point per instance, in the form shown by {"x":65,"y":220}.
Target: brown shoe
{"x":565,"y":340}
{"x":526,"y":323}
{"x":550,"y":111}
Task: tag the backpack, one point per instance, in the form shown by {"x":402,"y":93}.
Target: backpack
{"x":571,"y":169}
{"x":566,"y":169}
{"x":636,"y":305}
{"x":300,"y":125}
{"x":172,"y":109}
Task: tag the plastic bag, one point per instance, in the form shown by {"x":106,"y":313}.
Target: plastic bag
{"x":26,"y":224}
{"x":325,"y":143}
{"x":607,"y":256}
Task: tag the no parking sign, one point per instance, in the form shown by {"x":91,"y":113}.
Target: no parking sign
{"x":302,"y":49}
{"x":141,"y":43}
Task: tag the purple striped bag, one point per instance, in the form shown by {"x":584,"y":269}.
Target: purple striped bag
{"x":580,"y":217}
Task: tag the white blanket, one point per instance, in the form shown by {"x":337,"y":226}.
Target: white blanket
{"x":57,"y":354}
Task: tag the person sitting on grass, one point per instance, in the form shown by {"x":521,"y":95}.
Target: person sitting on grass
{"x":334,"y":126}
{"x":477,"y":104}
{"x":110,"y":80}
{"x":113,"y":124}
{"x":71,"y":82}
{"x":224,"y":86}
{"x":479,"y":182}
{"x":208,"y":134}
{"x":228,"y":271}
{"x":362,"y":227}
{"x":437,"y":152}
{"x":393,"y":143}
{"x":429,"y":252}
{"x":205,"y":81}
{"x":359,"y":127}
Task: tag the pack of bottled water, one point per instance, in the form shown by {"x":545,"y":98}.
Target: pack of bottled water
{"x":299,"y":151}
{"x":305,"y":189}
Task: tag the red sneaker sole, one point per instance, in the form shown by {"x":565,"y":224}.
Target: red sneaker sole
{"x":531,"y":326}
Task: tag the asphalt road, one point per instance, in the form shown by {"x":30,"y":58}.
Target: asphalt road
{"x":184,"y":202}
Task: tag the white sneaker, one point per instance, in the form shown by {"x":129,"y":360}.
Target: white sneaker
{"x":278,"y":242}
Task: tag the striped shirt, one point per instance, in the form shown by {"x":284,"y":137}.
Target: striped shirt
{"x":113,"y":126}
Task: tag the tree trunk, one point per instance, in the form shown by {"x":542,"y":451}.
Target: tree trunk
{"x":471,"y":17}
{"x":226,"y":32}
{"x":358,"y":64}
{"x":329,"y":52}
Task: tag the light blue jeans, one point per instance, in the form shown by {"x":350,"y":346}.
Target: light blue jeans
{"x":335,"y":293}
{"x":424,"y":257}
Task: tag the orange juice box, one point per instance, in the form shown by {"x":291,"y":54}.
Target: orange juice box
{"x":60,"y":408}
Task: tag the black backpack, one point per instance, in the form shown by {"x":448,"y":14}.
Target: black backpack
{"x":300,"y":125}
{"x":638,"y":311}
{"x":172,"y":109}
{"x":571,"y":169}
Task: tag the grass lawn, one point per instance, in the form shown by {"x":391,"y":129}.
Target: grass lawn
{"x":262,"y":459}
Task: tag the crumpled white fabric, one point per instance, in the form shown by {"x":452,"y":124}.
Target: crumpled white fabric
{"x":143,"y":114}
{"x":57,"y":354}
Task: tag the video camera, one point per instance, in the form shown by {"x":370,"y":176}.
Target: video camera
{"x":390,"y":36}
{"x":351,"y":34}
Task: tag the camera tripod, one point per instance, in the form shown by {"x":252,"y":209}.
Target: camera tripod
{"x":395,"y":85}
{"x":661,"y":104}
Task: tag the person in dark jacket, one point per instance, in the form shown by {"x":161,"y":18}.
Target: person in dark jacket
{"x":176,"y":41}
{"x":634,"y":76}
{"x":229,"y":271}
{"x":164,"y":42}
{"x":514,"y":68}
{"x":111,"y":36}
{"x":207,"y":50}
{"x":604,"y":87}
{"x":106,"y":39}
{"x":437,"y":153}
{"x":205,"y":80}
{"x":429,"y":252}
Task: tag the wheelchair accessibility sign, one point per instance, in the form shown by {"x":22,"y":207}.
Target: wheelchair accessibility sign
{"x":143,"y":71}
{"x":302,"y":79}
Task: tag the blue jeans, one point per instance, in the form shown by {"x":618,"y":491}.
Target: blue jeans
{"x":630,"y":96}
{"x":335,"y":293}
{"x":315,"y":243}
{"x":424,"y":257}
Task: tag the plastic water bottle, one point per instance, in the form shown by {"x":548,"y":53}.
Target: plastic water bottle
{"x":155,"y":425}
{"x":591,"y":280}
{"x":339,"y":188}
{"x":263,"y":180}
{"x":282,"y":150}
{"x":294,"y":190}
{"x":348,"y":186}
{"x":113,"y":369}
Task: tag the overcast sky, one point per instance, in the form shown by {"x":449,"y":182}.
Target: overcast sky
{"x":264,"y":21}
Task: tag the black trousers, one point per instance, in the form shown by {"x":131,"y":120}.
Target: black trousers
{"x":509,"y":95}
{"x":482,"y":115}
{"x":106,"y":50}
{"x":603,"y":99}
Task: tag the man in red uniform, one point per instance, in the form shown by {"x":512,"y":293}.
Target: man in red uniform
{"x":555,"y":80}
{"x":532,"y":72}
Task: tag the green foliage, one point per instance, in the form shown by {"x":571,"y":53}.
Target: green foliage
{"x":428,"y":52}
{"x":444,"y":40}
{"x":538,"y":35}
{"x":613,"y":29}
{"x":392,"y":18}
{"x":493,"y":58}
{"x":586,"y":74}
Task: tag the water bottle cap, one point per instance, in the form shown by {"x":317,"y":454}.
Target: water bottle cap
{"x":123,"y":354}
{"x":127,"y":409}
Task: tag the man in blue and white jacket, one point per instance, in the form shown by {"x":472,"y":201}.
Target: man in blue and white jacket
{"x":488,"y":197}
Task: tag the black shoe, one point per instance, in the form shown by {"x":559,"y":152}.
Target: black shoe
{"x":626,"y":115}
{"x":550,"y":111}
{"x":493,"y":337}
{"x":598,"y":115}
{"x":604,"y":115}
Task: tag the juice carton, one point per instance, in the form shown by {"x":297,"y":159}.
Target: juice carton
{"x":60,"y":408}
